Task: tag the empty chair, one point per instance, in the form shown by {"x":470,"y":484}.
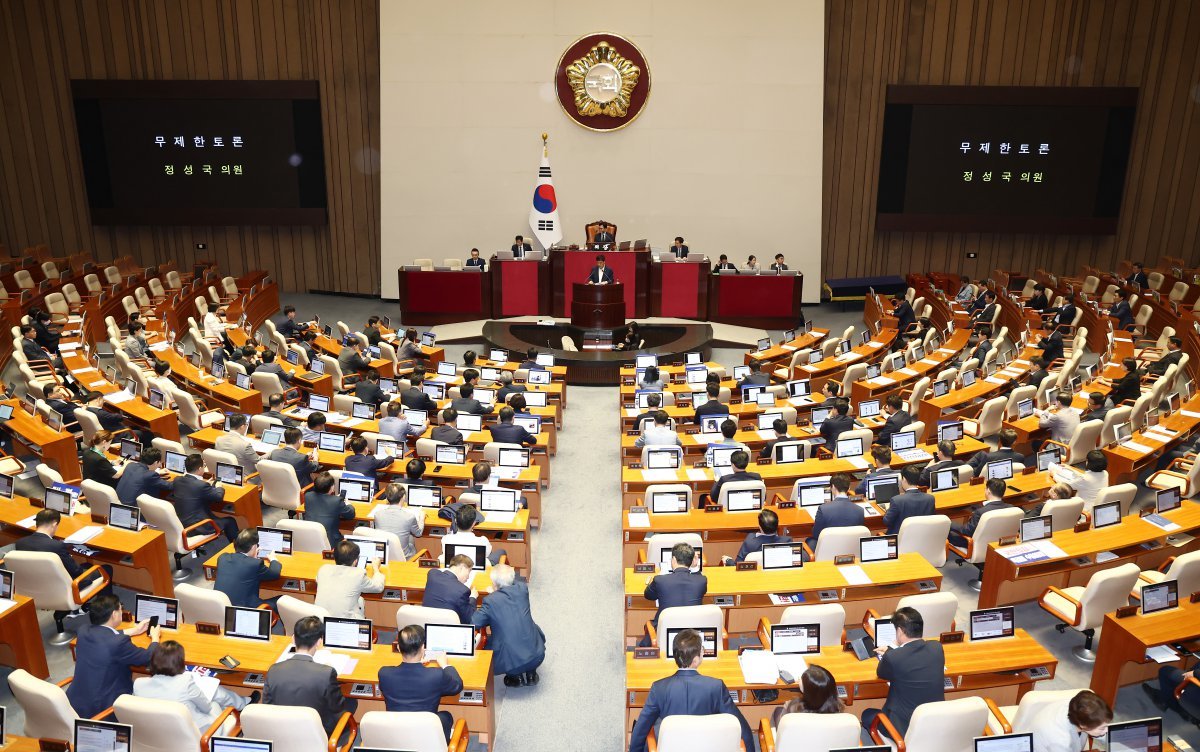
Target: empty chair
{"x":799,"y":732}
{"x":48,"y":475}
{"x":1182,"y":473}
{"x":1063,"y":513}
{"x":992,"y":527}
{"x":23,"y":279}
{"x":990,"y":420}
{"x":937,"y":610}
{"x":838,"y":541}
{"x":48,"y":712}
{"x":419,"y":732}
{"x":1083,"y":608}
{"x":42,"y":577}
{"x":831,"y":617}
{"x":306,"y":535}
{"x":297,"y":728}
{"x":112,"y":275}
{"x":697,"y":733}
{"x":292,"y":610}
{"x":948,"y":726}
{"x":422,"y":615}
{"x":925,"y":535}
{"x":198,"y":604}
{"x":181,"y":541}
{"x":687,"y":617}
{"x":1184,"y":568}
{"x":99,"y":497}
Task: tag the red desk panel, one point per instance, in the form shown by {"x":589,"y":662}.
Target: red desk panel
{"x":442,"y":297}
{"x":519,"y":286}
{"x":755,"y":300}
{"x":629,"y":268}
{"x":682,"y":291}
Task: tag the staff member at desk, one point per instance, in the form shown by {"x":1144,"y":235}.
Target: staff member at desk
{"x":679,"y":587}
{"x":633,"y":337}
{"x":604,"y":236}
{"x":678,"y":248}
{"x":195,"y":496}
{"x":300,"y":681}
{"x":518,"y":644}
{"x":520,"y":247}
{"x":240,"y":572}
{"x":686,"y":692}
{"x":447,"y":588}
{"x":45,"y":525}
{"x":103,"y":655}
{"x":713,"y":406}
{"x":476,"y":261}
{"x":722,"y":264}
{"x":413,"y":687}
{"x":915,"y":670}
{"x":96,"y":465}
{"x":395,"y":518}
{"x":600,"y":274}
{"x":143,"y":477}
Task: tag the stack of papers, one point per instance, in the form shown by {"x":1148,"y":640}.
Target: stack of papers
{"x":1189,"y":413}
{"x":858,"y":462}
{"x":1028,"y":553}
{"x":810,"y":369}
{"x":907,"y":372}
{"x":855,"y":575}
{"x":1133,"y":446}
{"x":509,"y":473}
{"x":116,"y":398}
{"x":1161,"y":654}
{"x":995,"y":380}
{"x":880,"y":381}
{"x":847,"y":356}
{"x":786,"y":600}
{"x":758,"y":667}
{"x":658,"y":474}
{"x":351,"y":422}
{"x":874,"y":345}
{"x":84,"y":534}
{"x":696,"y":473}
{"x":639,"y":519}
{"x":799,"y":401}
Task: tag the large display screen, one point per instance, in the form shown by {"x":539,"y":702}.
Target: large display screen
{"x":202,"y":152}
{"x":1004,"y":159}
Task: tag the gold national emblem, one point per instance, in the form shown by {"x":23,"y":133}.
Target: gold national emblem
{"x":603,"y":81}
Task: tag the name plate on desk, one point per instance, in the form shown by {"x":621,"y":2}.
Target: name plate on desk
{"x":645,"y":653}
{"x":208,"y":628}
{"x":843,"y":559}
{"x":647,"y":568}
{"x":763,"y":461}
{"x":786,"y":505}
{"x":949,"y":638}
{"x":713,"y":508}
{"x":1125,"y":611}
{"x":1195,"y":597}
{"x":327,"y":554}
{"x":427,"y":563}
{"x":747,"y":566}
{"x":1008,"y":540}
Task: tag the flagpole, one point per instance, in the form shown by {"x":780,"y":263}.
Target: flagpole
{"x":545,"y":147}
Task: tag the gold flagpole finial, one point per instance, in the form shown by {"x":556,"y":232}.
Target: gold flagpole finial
{"x":545,"y":147}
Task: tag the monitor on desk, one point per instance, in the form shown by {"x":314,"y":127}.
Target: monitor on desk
{"x":944,"y":480}
{"x":693,"y":358}
{"x":156,"y":398}
{"x":904,"y":440}
{"x":950,"y":431}
{"x":723,"y":456}
{"x":272,"y":435}
{"x":531,"y":423}
{"x":317,"y":366}
{"x":166,"y":609}
{"x":750,"y":394}
{"x":999,"y":469}
{"x":102,"y":736}
{"x":666,"y":563}
{"x":355,"y":489}
{"x":1024,"y":408}
{"x":799,"y":388}
{"x":1046,"y":458}
{"x":434,"y":390}
{"x":787,"y":452}
{"x":229,"y":474}
{"x":668,"y":502}
{"x":643,"y":398}
{"x":513,"y":458}
{"x":696,"y":375}
{"x":545,"y":360}
{"x":712,"y":423}
{"x":764,"y":343}
{"x":241,"y":380}
{"x":868,"y":408}
{"x":766,"y":421}
{"x":130,"y":449}
{"x":327,"y":330}
{"x":815,"y":357}
{"x":740,"y":372}
{"x":347,"y":634}
{"x":539,"y":376}
{"x":248,"y":623}
{"x":1106,"y":514}
{"x":744,"y":500}
{"x":535,"y":399}
{"x":1166,"y":500}
{"x":7,"y":580}
{"x":450,"y":454}
{"x":788,"y":336}
{"x":331,"y":442}
{"x":990,"y":623}
{"x":764,"y":398}
{"x":469,"y":422}
{"x":292,"y":357}
{"x":795,"y":639}
{"x":416,"y":417}
{"x":388,"y":448}
{"x":488,"y":373}
{"x":59,"y":501}
{"x":1004,"y":743}
{"x":708,"y":636}
{"x":1122,"y":432}
{"x":645,"y":361}
{"x":1145,"y":735}
{"x":476,"y":553}
{"x":124,"y":516}
{"x":274,"y":540}
{"x":428,"y":338}
{"x":898,"y":361}
{"x":498,"y":355}
{"x":450,"y":639}
{"x":447,"y":368}
{"x":812,"y":494}
{"x":1160,"y":597}
{"x":498,"y":500}
{"x":238,"y":744}
{"x":6,"y":486}
{"x":318,"y":403}
{"x":782,"y":556}
{"x":426,"y":497}
{"x":663,"y":458}
{"x":216,"y":368}
{"x":873,"y":371}
{"x":1036,"y":528}
{"x":698,"y":399}
{"x":847,"y":448}
{"x":941,"y":387}
{"x":878,"y":548}
{"x":362,"y":410}
{"x":967,"y":378}
{"x":818,"y":415}
{"x":6,"y":412}
{"x":883,"y":489}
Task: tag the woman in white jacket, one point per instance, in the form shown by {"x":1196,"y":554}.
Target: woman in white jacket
{"x":169,"y":681}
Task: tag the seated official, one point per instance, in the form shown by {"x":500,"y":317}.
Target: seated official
{"x":723,"y":263}
{"x":1090,"y":482}
{"x":653,"y":405}
{"x":302,"y":682}
{"x":270,"y":366}
{"x":1051,"y":346}
{"x":1163,"y":696}
{"x":658,"y":434}
{"x":42,"y":540}
{"x":517,"y":643}
{"x":1006,"y":439}
{"x":93,"y":402}
{"x":394,"y":425}
{"x":651,"y":381}
{"x":632,"y":339}
{"x":897,"y":419}
{"x":447,"y":588}
{"x":520,"y":247}
{"x":394,"y":517}
{"x":1129,"y":386}
{"x":466,"y":402}
{"x":831,"y":390}
{"x":415,"y":399}
{"x":678,"y":248}
{"x":604,"y":235}
{"x":768,"y":532}
{"x":740,"y":460}
{"x":713,"y":406}
{"x":59,"y":399}
{"x":351,"y":359}
{"x":780,"y":427}
{"x":943,"y":459}
{"x":1138,"y":277}
{"x":446,"y":432}
{"x":729,"y":428}
{"x":966,"y":292}
{"x":837,"y":423}
{"x":409,"y":348}
{"x":467,"y":517}
{"x":818,"y":694}
{"x":839,"y":511}
{"x":368,"y":390}
{"x":96,"y":464}
{"x":475,"y":260}
{"x":1061,"y":421}
{"x":314,"y":426}
{"x":234,"y":442}
{"x":1070,"y":725}
{"x":686,"y":692}
{"x":240,"y":572}
{"x":194,"y":497}
{"x":507,"y":432}
{"x":1057,"y":492}
{"x":414,"y":473}
{"x":413,"y":687}
{"x":45,"y":335}
{"x":1121,"y":311}
{"x":600,"y":273}
{"x":1097,"y":408}
{"x":103,"y":656}
{"x":903,"y":311}
{"x":289,"y":327}
{"x":910,"y":502}
{"x":274,"y":410}
{"x":169,"y":680}
{"x":994,"y":490}
{"x":755,"y":378}
{"x":1039,"y":301}
{"x":779,"y":266}
{"x":34,"y":352}
{"x":915,"y":671}
{"x":983,"y":345}
{"x":985,"y":310}
{"x":507,"y":387}
{"x":304,"y":464}
{"x":679,"y":587}
{"x":340,"y":585}
{"x":1037,"y":371}
{"x":144,"y":477}
{"x":1170,"y":357}
{"x":881,"y":465}
{"x":323,"y":506}
{"x":135,"y":344}
{"x":365,"y":464}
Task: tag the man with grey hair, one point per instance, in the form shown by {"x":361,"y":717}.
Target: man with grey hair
{"x":507,"y":387}
{"x":518,"y":644}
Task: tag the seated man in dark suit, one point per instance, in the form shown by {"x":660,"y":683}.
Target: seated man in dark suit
{"x":755,"y":378}
{"x":780,"y":427}
{"x":446,"y":588}
{"x":838,"y":511}
{"x":475,"y":260}
{"x":713,"y":406}
{"x":368,"y":389}
{"x":142,"y":477}
{"x":915,"y":670}
{"x":604,"y":235}
{"x":195,"y":496}
{"x":415,"y":399}
{"x":507,"y":432}
{"x":446,"y":431}
{"x":517,"y":643}
{"x":1163,"y":696}
{"x":1038,"y":301}
{"x":779,"y":266}
{"x":723,"y":264}
{"x":103,"y":656}
{"x":507,"y":387}
{"x":520,"y":247}
{"x":686,"y":692}
{"x":240,"y":572}
{"x":275,"y":408}
{"x":304,"y":464}
{"x":768,"y":532}
{"x":413,"y":687}
{"x":269,"y":365}
{"x":1006,"y":438}
{"x":897,"y":419}
{"x":109,"y":420}
{"x":993,"y":501}
{"x":903,"y":311}
{"x":910,"y":502}
{"x":414,"y":473}
{"x":1171,"y":357}
{"x":1121,"y":311}
{"x":466,"y":402}
{"x":288,"y":326}
{"x":678,"y":248}
{"x":1139,"y":276}
{"x":984,"y":315}
{"x":837,"y":423}
{"x":301,"y":681}
{"x":1129,"y":386}
{"x":679,"y":587}
{"x":1064,"y":315}
{"x":740,"y":460}
{"x":328,"y":508}
{"x":942,"y":460}
{"x":1051,"y":346}
{"x":1096,"y":409}
{"x":1039,"y":372}
{"x":32,"y":351}
{"x":365,"y":464}
{"x":600,"y":273}
{"x":351,"y":359}
{"x":42,"y":540}
{"x":881,"y":460}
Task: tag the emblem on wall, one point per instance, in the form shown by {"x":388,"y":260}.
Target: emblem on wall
{"x":602,"y":82}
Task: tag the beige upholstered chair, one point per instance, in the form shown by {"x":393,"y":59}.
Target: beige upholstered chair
{"x":419,"y":732}
{"x":42,"y":577}
{"x":1083,"y":608}
{"x":297,"y":728}
{"x":48,"y":712}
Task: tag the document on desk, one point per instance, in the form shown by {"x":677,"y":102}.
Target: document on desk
{"x":766,"y":435}
{"x":86,"y":533}
{"x":206,"y":683}
{"x":855,"y":575}
{"x":631,"y":412}
{"x":880,"y":381}
{"x":659,"y":474}
{"x":1158,"y":434}
{"x":907,"y":371}
{"x":790,"y":348}
{"x":1133,"y":446}
{"x":500,"y":518}
{"x":858,"y":462}
{"x":847,"y":356}
{"x":697,"y":474}
{"x":929,"y":362}
{"x":1020,"y":362}
{"x":1189,"y":413}
{"x":1028,"y":553}
{"x":6,"y":604}
{"x":874,"y":345}
{"x":799,"y":401}
{"x":1161,"y":654}
{"x":28,"y":522}
{"x":351,"y":422}
{"x":809,"y":368}
{"x":639,"y":519}
{"x":157,"y":347}
{"x":994,"y":380}
{"x":758,"y":667}
{"x":117,"y":398}
{"x":1159,"y":521}
{"x":507,"y":473}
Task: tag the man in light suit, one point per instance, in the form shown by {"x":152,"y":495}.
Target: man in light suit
{"x":103,"y":655}
{"x":446,"y":588}
{"x":520,"y":247}
{"x":300,"y":681}
{"x":414,"y":687}
{"x":600,"y":274}
{"x":517,"y":643}
{"x":915,"y":670}
{"x":686,"y":692}
{"x":195,"y":496}
{"x":466,"y":402}
{"x":837,"y":512}
{"x":910,"y":502}
{"x":234,"y":441}
{"x":897,"y":419}
{"x":239,"y":572}
{"x":304,"y":464}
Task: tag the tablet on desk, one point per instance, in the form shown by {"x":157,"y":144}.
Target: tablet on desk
{"x":355,"y":489}
{"x":6,"y":486}
{"x":273,"y":540}
{"x":229,"y":474}
{"x":468,"y":423}
{"x":369,"y":550}
{"x":531,"y":423}
{"x":1036,"y":528}
{"x":1005,"y":743}
{"x":744,"y":500}
{"x":449,"y":454}
{"x":782,"y":556}
{"x":331,"y":442}
{"x":669,"y":502}
{"x":708,"y":636}
{"x":1145,"y":735}
{"x":166,"y":609}
{"x":498,"y":500}
{"x":7,"y":583}
{"x":124,"y":516}
{"x":795,"y":639}
{"x":476,"y":553}
{"x":1160,"y":597}
{"x":1106,"y":514}
{"x":130,"y":449}
{"x":231,"y":744}
{"x":347,"y":634}
{"x":102,"y":736}
{"x":248,"y":623}
{"x":427,"y":497}
{"x":668,"y":458}
{"x":175,"y":462}
{"x":450,"y":639}
{"x":990,"y":623}
{"x":878,"y":548}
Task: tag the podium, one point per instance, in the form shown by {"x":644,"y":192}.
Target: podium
{"x":598,"y":306}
